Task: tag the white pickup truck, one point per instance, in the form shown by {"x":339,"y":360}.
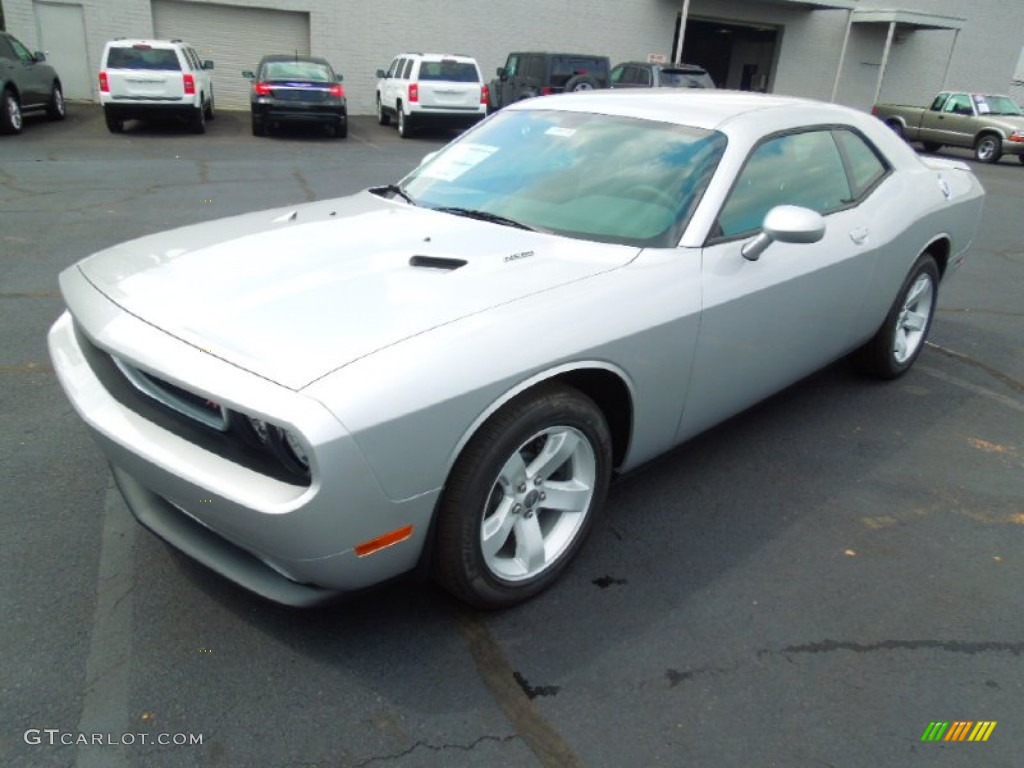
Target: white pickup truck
{"x":990,"y":124}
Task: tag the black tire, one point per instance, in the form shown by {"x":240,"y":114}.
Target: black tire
{"x":581,"y":83}
{"x":498,"y":483}
{"x":199,"y":119}
{"x":931,"y":146}
{"x":896,"y":127}
{"x":341,"y":130}
{"x":211,"y":109}
{"x":404,"y":124}
{"x":988,"y":148}
{"x":114,"y":124}
{"x":56,"y":109}
{"x":1020,"y":158}
{"x":258,"y":129}
{"x":383,"y":118}
{"x":896,"y":345}
{"x":11,"y":119}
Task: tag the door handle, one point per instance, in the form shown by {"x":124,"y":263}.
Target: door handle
{"x":859,"y":235}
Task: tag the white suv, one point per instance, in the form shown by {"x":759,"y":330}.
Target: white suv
{"x":431,"y":89}
{"x":144,"y":79}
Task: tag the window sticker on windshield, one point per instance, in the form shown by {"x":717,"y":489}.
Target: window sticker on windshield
{"x":565,"y":133}
{"x":457,"y":160}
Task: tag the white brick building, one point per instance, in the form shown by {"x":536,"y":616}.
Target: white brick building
{"x":846,"y":50}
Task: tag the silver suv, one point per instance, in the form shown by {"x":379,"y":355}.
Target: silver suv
{"x":147,"y":79}
{"x":440,"y":89}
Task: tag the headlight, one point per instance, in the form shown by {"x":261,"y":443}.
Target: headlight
{"x":289,"y":450}
{"x":285,"y":446}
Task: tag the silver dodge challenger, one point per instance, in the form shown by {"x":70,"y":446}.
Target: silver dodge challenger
{"x":443,"y":374}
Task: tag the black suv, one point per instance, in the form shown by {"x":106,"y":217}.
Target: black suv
{"x":26,"y":83}
{"x":526,"y":75}
{"x":647,"y":74}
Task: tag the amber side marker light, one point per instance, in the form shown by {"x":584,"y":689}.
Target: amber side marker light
{"x":384,"y":541}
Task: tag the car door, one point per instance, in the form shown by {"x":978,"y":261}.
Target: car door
{"x":33,"y":80}
{"x":769,"y":322}
{"x":388,"y":87}
{"x":507,"y":83}
{"x":951,"y":124}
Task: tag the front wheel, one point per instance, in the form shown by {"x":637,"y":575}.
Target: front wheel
{"x":522,"y":497}
{"x":211,"y":109}
{"x":901,"y":338}
{"x":382,"y":117}
{"x":55,"y":107}
{"x":10,"y":113}
{"x":988,"y":149}
{"x":199,"y":119}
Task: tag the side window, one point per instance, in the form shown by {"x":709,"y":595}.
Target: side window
{"x":802,"y":169}
{"x":959,"y":104}
{"x":940,"y":102}
{"x":6,"y":51}
{"x":537,"y":67}
{"x":21,"y":51}
{"x":866,"y":167}
{"x":512,"y":66}
{"x":393,"y":69}
{"x":643,"y":76}
{"x":617,"y":74}
{"x":408,"y":68}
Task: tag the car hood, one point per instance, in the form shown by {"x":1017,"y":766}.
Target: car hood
{"x":295,"y":293}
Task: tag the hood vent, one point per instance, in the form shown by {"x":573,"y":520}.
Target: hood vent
{"x":437,"y":262}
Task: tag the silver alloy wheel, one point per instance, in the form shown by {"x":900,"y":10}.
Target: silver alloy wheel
{"x":13,"y":109}
{"x":912,"y":323}
{"x":538,"y":503}
{"x":403,"y":129}
{"x":583,"y":87}
{"x":988,"y":149}
{"x":58,"y":102}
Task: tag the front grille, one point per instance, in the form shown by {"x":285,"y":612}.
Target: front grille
{"x":186,"y":403}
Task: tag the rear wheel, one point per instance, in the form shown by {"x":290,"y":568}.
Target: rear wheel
{"x":257,"y":127}
{"x":114,"y":124}
{"x":404,"y":129}
{"x":10,"y":113}
{"x":341,"y":130}
{"x":931,"y":146}
{"x":199,"y":119}
{"x":522,"y":497}
{"x":55,"y":108}
{"x":901,"y":338}
{"x":988,"y":148}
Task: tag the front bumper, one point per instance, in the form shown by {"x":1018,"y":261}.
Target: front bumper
{"x":291,"y":543}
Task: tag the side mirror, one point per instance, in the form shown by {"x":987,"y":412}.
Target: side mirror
{"x":502,"y":73}
{"x":248,"y":74}
{"x":381,"y":74}
{"x":340,"y":78}
{"x":785,"y":224}
{"x":208,"y":64}
{"x":39,"y":57}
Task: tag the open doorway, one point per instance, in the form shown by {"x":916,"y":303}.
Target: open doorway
{"x":737,"y":56}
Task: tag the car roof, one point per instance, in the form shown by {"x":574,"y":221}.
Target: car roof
{"x":293,"y":57}
{"x":682,"y":67}
{"x":559,"y":53}
{"x":699,"y":108}
{"x":128,"y":42}
{"x":438,"y":56}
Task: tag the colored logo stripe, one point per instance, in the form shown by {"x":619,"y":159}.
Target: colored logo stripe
{"x":958,"y":730}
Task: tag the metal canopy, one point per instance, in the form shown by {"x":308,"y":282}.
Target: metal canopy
{"x":910,"y":21}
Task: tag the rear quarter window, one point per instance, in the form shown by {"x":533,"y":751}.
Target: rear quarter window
{"x":143,"y":58}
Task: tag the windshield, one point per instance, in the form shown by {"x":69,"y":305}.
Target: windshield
{"x":996,"y":105}
{"x":678,"y":78}
{"x":595,"y":177}
{"x":310,"y":71}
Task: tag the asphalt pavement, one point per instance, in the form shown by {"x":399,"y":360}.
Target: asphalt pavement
{"x":812,"y":583}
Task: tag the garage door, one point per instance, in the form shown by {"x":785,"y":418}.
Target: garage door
{"x":234,"y":37}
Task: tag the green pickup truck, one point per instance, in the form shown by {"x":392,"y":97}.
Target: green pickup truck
{"x":989,"y":124}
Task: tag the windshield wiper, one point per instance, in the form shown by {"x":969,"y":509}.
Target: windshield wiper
{"x":395,"y":189}
{"x":494,"y":218}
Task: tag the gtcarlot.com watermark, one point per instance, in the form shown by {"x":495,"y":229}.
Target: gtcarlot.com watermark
{"x":55,"y":737}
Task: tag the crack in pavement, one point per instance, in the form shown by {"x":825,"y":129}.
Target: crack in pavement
{"x":435,"y":748}
{"x":995,"y":373}
{"x":497,"y":674}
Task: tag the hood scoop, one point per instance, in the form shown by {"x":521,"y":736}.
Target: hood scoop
{"x":437,"y":262}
